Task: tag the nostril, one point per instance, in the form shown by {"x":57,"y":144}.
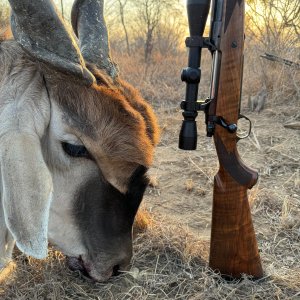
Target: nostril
{"x":74,"y":263}
{"x":116,"y":270}
{"x":77,"y":264}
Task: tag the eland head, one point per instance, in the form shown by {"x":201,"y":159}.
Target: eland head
{"x":75,"y":140}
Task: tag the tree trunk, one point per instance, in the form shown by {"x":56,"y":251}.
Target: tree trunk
{"x":124,"y":28}
{"x":149,"y":45}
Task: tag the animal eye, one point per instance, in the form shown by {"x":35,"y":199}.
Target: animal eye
{"x":76,"y":150}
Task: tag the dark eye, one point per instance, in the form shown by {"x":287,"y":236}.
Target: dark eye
{"x":76,"y":150}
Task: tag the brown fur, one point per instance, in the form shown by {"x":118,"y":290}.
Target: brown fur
{"x":115,"y":123}
{"x":115,"y":115}
{"x":5,"y":33}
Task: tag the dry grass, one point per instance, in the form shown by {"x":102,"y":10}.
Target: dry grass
{"x":159,"y":81}
{"x":169,"y":263}
{"x":172,"y":244}
{"x":282,"y":81}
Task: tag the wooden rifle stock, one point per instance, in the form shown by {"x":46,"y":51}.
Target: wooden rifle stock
{"x":233,"y":248}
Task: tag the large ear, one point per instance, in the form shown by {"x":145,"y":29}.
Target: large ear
{"x":25,"y":181}
{"x":40,"y":30}
{"x":26,"y":192}
{"x":89,"y":25}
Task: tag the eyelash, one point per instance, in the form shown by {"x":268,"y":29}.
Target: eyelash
{"x":76,"y":150}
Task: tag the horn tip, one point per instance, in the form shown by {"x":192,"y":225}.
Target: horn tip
{"x":88,"y":77}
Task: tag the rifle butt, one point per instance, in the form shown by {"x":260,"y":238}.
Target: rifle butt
{"x":233,"y":248}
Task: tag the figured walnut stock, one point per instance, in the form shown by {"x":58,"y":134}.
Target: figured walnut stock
{"x":233,"y":248}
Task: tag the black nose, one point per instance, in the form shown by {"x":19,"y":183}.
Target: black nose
{"x":116,"y":270}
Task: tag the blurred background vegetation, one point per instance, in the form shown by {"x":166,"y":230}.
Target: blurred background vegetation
{"x":147,"y":40}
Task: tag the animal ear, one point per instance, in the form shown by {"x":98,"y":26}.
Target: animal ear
{"x":40,"y":30}
{"x":26,"y":191}
{"x":89,"y":25}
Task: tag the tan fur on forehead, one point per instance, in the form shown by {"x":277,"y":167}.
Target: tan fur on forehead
{"x":115,"y":118}
{"x":119,"y":123}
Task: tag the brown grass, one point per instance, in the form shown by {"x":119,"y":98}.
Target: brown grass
{"x":169,"y":263}
{"x":172,"y":245}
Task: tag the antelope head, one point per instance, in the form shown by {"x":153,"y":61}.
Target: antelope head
{"x":75,"y":140}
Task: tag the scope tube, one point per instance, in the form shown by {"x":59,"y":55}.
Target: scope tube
{"x":197,"y":16}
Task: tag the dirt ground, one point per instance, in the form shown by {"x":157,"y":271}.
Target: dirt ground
{"x":183,"y":180}
{"x":170,"y":260}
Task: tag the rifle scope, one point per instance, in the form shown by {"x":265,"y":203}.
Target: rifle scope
{"x":197,"y":15}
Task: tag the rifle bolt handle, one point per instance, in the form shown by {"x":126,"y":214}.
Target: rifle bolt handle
{"x":232,"y":128}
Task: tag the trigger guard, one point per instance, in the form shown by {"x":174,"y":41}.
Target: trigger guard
{"x":250,"y":127}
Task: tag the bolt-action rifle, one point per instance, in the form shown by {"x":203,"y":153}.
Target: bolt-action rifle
{"x":233,"y":246}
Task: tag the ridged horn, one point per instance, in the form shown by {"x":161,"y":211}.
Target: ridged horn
{"x":89,"y":25}
{"x":39,"y":28}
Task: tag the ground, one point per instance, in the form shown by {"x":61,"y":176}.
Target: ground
{"x":170,"y":260}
